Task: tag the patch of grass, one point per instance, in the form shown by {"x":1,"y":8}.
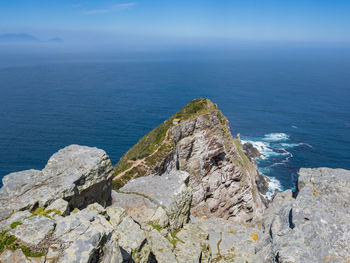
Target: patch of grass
{"x":121,"y":181}
{"x":14,"y":224}
{"x":244,"y":161}
{"x":122,"y":167}
{"x":155,"y":226}
{"x":57,"y":212}
{"x":117,"y":184}
{"x":163,"y":151}
{"x":41,"y":211}
{"x":30,"y":253}
{"x":75,"y":210}
{"x":7,"y":241}
{"x":173,"y":239}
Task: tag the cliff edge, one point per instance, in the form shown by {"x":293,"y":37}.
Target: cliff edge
{"x":197,"y":140}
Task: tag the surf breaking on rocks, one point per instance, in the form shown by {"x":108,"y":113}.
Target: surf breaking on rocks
{"x":275,"y":153}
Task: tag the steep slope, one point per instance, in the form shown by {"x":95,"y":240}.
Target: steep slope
{"x":222,"y":178}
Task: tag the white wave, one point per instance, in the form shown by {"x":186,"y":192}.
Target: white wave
{"x":273,"y":185}
{"x":292,"y":145}
{"x":295,"y":127}
{"x":275,"y":137}
{"x":263,"y":147}
{"x":266,"y":149}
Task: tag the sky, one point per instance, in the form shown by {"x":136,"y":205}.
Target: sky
{"x":183,"y":22}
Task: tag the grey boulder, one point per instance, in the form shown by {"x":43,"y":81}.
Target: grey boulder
{"x":78,"y":174}
{"x":164,"y":199}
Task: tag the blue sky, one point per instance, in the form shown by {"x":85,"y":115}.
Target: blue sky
{"x":182,"y":21}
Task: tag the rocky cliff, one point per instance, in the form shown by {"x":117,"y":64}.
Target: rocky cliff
{"x":311,"y":225}
{"x":68,"y":212}
{"x":222,"y":178}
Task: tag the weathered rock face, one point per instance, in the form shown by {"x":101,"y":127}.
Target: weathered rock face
{"x":131,"y":238}
{"x":85,"y":236}
{"x":313,"y":227}
{"x":229,"y":241}
{"x":78,"y":174}
{"x":164,"y":200}
{"x":222,"y":178}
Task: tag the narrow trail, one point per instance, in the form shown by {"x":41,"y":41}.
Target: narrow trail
{"x":141,"y":161}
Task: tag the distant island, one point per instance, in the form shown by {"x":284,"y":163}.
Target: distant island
{"x":26,"y":38}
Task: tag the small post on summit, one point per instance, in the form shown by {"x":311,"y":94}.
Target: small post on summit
{"x":239,"y":137}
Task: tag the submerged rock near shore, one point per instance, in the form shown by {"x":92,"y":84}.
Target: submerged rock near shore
{"x":194,"y":200}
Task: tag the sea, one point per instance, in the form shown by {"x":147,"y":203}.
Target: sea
{"x":294,"y":107}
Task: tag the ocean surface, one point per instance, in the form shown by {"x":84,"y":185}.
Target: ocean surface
{"x":295,"y":110}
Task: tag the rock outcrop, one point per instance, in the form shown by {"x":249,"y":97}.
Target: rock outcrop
{"x":312,"y":227}
{"x":164,"y":200}
{"x":251,"y":151}
{"x":222,"y":178}
{"x":78,"y":174}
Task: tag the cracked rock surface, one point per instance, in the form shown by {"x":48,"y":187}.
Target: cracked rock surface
{"x":164,"y":199}
{"x":78,"y":174}
{"x":314,"y":226}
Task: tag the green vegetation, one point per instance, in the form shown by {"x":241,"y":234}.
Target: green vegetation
{"x":14,"y":224}
{"x":9,"y":242}
{"x":41,"y":211}
{"x":30,"y":253}
{"x":75,"y":210}
{"x":155,"y":226}
{"x":132,"y":173}
{"x":173,"y":239}
{"x":159,"y":155}
{"x":154,"y":139}
{"x":124,"y":166}
{"x":244,"y":161}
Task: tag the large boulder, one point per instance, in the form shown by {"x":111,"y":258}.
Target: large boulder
{"x":82,"y":237}
{"x":191,"y":244}
{"x":314,"y":226}
{"x":78,"y":174}
{"x":164,"y":200}
{"x":131,"y":238}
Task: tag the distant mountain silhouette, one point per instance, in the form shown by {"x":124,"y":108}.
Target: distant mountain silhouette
{"x":18,"y":38}
{"x":25,"y":38}
{"x":56,"y":40}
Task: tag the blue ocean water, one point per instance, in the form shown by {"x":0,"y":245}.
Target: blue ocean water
{"x":296,"y":110}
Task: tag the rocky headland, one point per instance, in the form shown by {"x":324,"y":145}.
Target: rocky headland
{"x":186,"y":192}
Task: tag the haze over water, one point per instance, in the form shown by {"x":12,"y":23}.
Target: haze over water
{"x":293,"y":105}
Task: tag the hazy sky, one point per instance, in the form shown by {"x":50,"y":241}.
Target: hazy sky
{"x":180,"y":21}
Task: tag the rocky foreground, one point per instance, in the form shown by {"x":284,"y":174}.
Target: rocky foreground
{"x":204,"y":205}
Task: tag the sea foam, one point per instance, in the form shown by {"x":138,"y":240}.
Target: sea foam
{"x":276,"y":137}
